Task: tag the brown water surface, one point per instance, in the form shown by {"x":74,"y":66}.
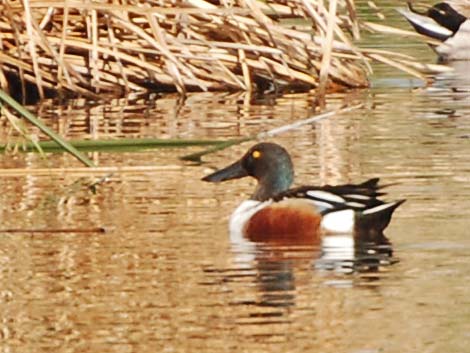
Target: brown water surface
{"x":165,"y":276}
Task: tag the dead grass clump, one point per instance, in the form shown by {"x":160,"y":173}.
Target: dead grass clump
{"x":112,"y":47}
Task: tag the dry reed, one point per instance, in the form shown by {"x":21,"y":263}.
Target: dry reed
{"x":104,"y":47}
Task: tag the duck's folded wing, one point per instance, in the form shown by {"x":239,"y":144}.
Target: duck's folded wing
{"x":330,"y":198}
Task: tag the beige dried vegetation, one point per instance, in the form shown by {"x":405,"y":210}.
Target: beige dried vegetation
{"x":114,"y":47}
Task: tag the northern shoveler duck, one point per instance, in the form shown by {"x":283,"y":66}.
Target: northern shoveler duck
{"x":275,"y":211}
{"x":449,"y":23}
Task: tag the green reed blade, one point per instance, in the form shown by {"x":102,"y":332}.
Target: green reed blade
{"x":35,"y":121}
{"x":116,"y":145}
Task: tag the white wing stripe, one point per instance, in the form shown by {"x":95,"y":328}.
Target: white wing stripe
{"x":324,"y":195}
{"x":379,"y":208}
{"x":357,"y":196}
{"x":321,"y":204}
{"x":355,"y":204}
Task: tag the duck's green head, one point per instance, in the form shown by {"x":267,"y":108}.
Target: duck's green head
{"x":268,"y":163}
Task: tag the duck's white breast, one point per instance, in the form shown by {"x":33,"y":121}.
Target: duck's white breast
{"x":242,"y":214}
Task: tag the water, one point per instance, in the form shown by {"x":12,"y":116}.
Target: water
{"x":164,"y":276}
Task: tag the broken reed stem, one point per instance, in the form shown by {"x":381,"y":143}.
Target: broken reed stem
{"x":327,"y":48}
{"x":196,"y":157}
{"x":311,"y":120}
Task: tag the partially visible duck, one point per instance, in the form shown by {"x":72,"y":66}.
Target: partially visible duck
{"x":448,"y":22}
{"x":275,"y":212}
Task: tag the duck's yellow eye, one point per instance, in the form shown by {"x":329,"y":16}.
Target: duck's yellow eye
{"x":256,"y":154}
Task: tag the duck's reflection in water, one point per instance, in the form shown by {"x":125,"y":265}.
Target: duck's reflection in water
{"x":276,"y":280}
{"x":331,"y":260}
{"x":348,"y":254}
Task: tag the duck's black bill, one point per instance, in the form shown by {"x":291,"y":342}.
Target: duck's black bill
{"x":233,"y":171}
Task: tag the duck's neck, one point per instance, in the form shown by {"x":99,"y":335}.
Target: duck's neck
{"x":272,"y":185}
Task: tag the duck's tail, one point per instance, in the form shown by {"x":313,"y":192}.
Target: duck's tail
{"x":374,"y":220}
